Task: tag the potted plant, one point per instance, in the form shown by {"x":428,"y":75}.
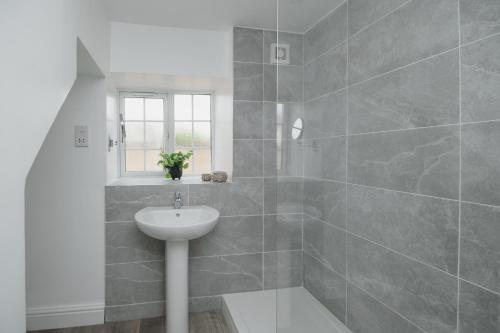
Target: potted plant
{"x":174,"y":163}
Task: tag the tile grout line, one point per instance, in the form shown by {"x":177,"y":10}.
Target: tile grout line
{"x":497,"y":293}
{"x":495,"y":34}
{"x":459,"y":165}
{"x":346,"y":145}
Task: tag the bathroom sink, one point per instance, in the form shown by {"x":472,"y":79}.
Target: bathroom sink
{"x":167,"y":223}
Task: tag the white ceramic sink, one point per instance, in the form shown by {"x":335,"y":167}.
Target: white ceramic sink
{"x":167,"y":223}
{"x":177,"y":227}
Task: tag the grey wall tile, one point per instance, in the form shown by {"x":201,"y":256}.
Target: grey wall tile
{"x":326,"y":244}
{"x":364,"y":12}
{"x":326,"y":34}
{"x":479,"y":18}
{"x":325,"y":158}
{"x":202,"y":304}
{"x":270,"y":158}
{"x":134,"y":311}
{"x":287,"y":112}
{"x":325,"y":201}
{"x":481,"y":163}
{"x":225,"y":274}
{"x":282,"y":232}
{"x":283,"y":195}
{"x":247,"y":158}
{"x":422,"y":294}
{"x":269,"y":120}
{"x":291,"y":159}
{"x":247,"y":44}
{"x":424,"y":161}
{"x":420,"y":227}
{"x":232,"y":235}
{"x":122,"y":202}
{"x":367,"y":315}
{"x":480,"y":245}
{"x":126,"y":243}
{"x":327,"y":286}
{"x":326,"y":116}
{"x":326,"y":74}
{"x":479,"y":310}
{"x":241,"y":197}
{"x":389,"y":43}
{"x":282,"y":269}
{"x":481,"y":80}
{"x":247,"y":120}
{"x":423,"y":94}
{"x":294,"y":40}
{"x":248,"y":81}
{"x":282,"y":83}
{"x":135,"y":282}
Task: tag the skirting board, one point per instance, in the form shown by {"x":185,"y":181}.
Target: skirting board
{"x":64,"y":316}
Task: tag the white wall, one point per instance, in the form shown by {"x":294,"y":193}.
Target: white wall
{"x":65,"y":216}
{"x":172,"y":51}
{"x":38,"y":66}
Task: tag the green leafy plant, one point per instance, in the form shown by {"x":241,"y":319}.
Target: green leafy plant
{"x":172,"y":163}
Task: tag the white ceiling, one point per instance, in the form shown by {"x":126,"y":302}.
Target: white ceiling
{"x":294,"y":15}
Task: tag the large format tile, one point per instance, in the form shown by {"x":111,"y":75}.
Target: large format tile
{"x":481,"y":80}
{"x":248,"y":81}
{"x":326,"y":116}
{"x":231,"y":235}
{"x":202,"y":304}
{"x":287,"y":113}
{"x":480,"y":245}
{"x":122,"y":202}
{"x":390,"y":43}
{"x":326,"y":244}
{"x":367,"y":315}
{"x":283,"y":195}
{"x":134,"y":311}
{"x":424,"y":161}
{"x":325,"y":158}
{"x":139,"y":282}
{"x":282,"y":83}
{"x":126,"y":243}
{"x":247,"y":120}
{"x":423,"y":94}
{"x":424,"y":295}
{"x":240,"y":197}
{"x":326,"y":34}
{"x":247,"y":44}
{"x":481,"y":163}
{"x":325,"y":201}
{"x":479,"y":310}
{"x":326,"y":74}
{"x":247,"y":158}
{"x":270,"y":158}
{"x":326,"y":285}
{"x":294,"y":40}
{"x":282,"y":232}
{"x":225,"y":274}
{"x":282,"y":269}
{"x":364,"y":12}
{"x":420,"y":227}
{"x":479,"y":18}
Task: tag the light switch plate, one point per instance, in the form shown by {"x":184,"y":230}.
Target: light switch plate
{"x":81,"y":136}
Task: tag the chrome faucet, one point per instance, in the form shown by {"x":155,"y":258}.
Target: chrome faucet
{"x":178,"y":200}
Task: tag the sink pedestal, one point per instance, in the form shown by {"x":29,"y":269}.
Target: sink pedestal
{"x":176,"y":255}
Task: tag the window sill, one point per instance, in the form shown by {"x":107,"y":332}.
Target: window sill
{"x":138,"y":181}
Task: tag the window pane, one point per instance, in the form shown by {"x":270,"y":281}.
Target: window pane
{"x":189,"y":170}
{"x":183,"y":134}
{"x":202,"y":107}
{"x":135,"y":135}
{"x":134,"y":160}
{"x":154,"y":109}
{"x":202,"y":134}
{"x":154,"y":135}
{"x":202,"y":161}
{"x":152,"y":158}
{"x":134,"y":109}
{"x":183,"y":107}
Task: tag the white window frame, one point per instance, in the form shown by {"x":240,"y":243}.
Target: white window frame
{"x":168,"y":123}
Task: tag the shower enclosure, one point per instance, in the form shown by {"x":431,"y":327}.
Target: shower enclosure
{"x":380,"y":119}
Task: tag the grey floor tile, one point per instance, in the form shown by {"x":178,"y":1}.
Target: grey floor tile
{"x":134,"y":311}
